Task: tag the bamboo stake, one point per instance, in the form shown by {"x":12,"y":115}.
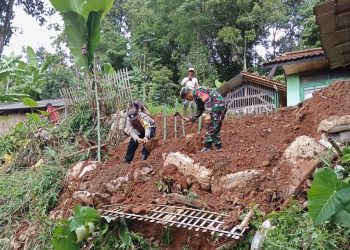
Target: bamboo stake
{"x":175,"y":119}
{"x":200,"y":125}
{"x":98,"y":116}
{"x":165,"y":116}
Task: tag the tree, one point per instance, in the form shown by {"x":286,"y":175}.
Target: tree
{"x":35,"y":8}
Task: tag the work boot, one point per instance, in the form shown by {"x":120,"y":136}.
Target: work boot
{"x":126,"y":161}
{"x":218,"y":147}
{"x":207,"y":147}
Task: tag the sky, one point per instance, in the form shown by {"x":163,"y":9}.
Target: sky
{"x":30,"y":33}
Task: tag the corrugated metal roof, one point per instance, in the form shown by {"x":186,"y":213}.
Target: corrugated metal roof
{"x":41,"y":104}
{"x":246,"y":76}
{"x":296,"y":57}
{"x":333,"y":19}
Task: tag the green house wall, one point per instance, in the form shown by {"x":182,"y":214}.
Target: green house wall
{"x":318,"y":79}
{"x":293,"y":90}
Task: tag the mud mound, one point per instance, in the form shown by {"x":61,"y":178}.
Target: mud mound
{"x":249,"y":143}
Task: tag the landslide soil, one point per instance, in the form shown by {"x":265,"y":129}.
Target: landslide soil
{"x":248,"y":143}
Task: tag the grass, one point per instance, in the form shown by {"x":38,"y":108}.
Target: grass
{"x":30,"y":195}
{"x":294,"y":229}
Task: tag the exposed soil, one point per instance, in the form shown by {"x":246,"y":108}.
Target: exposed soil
{"x":248,"y":143}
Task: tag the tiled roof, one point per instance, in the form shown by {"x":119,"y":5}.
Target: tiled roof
{"x":295,"y":56}
{"x":240,"y":78}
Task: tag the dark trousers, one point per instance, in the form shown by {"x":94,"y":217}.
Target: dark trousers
{"x":130,"y":153}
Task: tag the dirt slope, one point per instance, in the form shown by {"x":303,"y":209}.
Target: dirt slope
{"x":249,"y":143}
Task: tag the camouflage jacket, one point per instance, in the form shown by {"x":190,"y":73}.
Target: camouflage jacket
{"x":207,"y":100}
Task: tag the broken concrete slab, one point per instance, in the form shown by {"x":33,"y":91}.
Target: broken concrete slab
{"x":186,"y":166}
{"x":234,"y":180}
{"x":335,"y":124}
{"x":299,"y":161}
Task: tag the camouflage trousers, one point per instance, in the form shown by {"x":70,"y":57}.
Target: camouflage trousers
{"x":213,"y":127}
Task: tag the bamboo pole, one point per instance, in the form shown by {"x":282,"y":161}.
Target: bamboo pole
{"x":200,"y":125}
{"x":98,"y":115}
{"x":175,"y":118}
{"x":165,"y":117}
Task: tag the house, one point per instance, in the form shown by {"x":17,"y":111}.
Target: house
{"x":248,"y":93}
{"x":307,"y":71}
{"x":13,"y":113}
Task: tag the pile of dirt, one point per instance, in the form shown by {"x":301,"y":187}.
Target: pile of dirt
{"x":248,"y":143}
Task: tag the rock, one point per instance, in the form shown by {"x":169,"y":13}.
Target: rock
{"x":239,"y":179}
{"x":117,"y":200}
{"x":144,"y":173}
{"x":101,"y":199}
{"x":75,"y":170}
{"x":115,"y":185}
{"x":84,"y":197}
{"x":84,"y":186}
{"x":88,"y":168}
{"x":301,"y":161}
{"x":80,"y":169}
{"x":342,"y":138}
{"x":335,"y":124}
{"x":303,"y":147}
{"x":186,"y":166}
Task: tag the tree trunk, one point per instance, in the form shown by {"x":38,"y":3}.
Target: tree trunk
{"x":6,"y":25}
{"x":245,"y":55}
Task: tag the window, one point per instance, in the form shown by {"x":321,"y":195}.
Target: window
{"x":308,"y":91}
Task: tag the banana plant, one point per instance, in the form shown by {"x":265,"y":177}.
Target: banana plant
{"x":82,"y":19}
{"x":29,"y":77}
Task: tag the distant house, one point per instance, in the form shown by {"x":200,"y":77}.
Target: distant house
{"x":309,"y":70}
{"x":306,"y":71}
{"x":248,"y":93}
{"x":13,"y":113}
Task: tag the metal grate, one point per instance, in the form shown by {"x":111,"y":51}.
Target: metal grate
{"x":189,"y":218}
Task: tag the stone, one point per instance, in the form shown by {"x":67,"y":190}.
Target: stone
{"x":115,"y":185}
{"x":88,"y":168}
{"x":335,"y":124}
{"x":144,"y":173}
{"x":186,"y":166}
{"x":303,"y":147}
{"x":301,"y":159}
{"x":84,"y":197}
{"x":74,"y":171}
{"x":101,"y":199}
{"x":239,"y":179}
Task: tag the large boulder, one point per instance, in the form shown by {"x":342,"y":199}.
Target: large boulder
{"x":335,"y":124}
{"x":298,"y":162}
{"x":234,"y":180}
{"x":186,"y":166}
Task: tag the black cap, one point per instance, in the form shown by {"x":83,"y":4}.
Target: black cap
{"x":184,"y":91}
{"x":133,"y":114}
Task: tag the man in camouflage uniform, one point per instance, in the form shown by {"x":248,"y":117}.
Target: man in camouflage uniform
{"x":213,"y":104}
